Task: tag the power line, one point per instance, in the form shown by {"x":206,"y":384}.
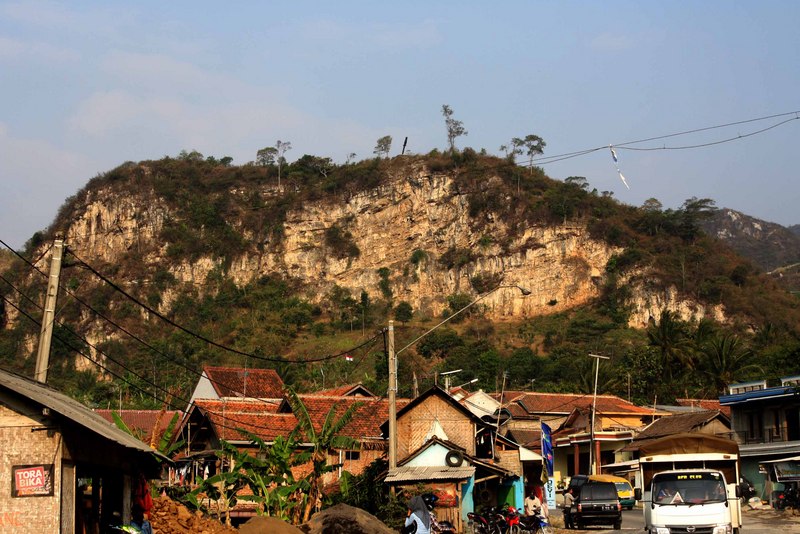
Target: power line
{"x":145,"y":380}
{"x":205,"y":339}
{"x":625,"y":145}
{"x":143,"y":342}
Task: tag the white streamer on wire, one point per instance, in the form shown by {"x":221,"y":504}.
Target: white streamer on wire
{"x":616,"y":165}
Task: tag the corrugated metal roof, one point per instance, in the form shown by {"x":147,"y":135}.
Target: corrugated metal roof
{"x":72,"y":410}
{"x":413,"y":474}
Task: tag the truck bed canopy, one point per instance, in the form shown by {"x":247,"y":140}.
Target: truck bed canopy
{"x":689,"y":443}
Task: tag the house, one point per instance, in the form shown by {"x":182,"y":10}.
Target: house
{"x":617,"y":421}
{"x":765,"y":421}
{"x":234,"y":420}
{"x":64,"y":467}
{"x":219,"y":382}
{"x":442,"y":444}
{"x":706,"y":422}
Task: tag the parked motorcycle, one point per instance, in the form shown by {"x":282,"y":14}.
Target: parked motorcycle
{"x":786,"y":498}
{"x":746,"y":489}
{"x":478,"y":523}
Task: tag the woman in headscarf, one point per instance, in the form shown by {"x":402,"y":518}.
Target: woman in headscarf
{"x":418,"y":513}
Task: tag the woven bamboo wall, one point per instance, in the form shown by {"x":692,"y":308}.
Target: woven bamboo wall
{"x":414,"y":425}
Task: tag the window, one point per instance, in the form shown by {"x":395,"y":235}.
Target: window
{"x":352,"y":455}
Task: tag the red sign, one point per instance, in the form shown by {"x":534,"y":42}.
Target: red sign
{"x":32,"y":480}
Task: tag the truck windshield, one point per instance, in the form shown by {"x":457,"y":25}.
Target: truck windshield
{"x":688,"y":488}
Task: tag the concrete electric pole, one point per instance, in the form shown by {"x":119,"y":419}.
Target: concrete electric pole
{"x":46,"y":334}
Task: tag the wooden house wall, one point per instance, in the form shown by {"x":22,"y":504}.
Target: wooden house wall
{"x":414,"y":425}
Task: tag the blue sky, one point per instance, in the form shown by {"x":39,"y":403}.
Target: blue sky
{"x":86,"y":86}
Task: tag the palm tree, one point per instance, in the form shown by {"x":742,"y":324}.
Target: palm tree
{"x":321,"y":441}
{"x":669,"y":335}
{"x":725,"y":360}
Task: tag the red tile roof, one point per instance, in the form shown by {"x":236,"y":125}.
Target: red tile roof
{"x":261,"y":418}
{"x":347,"y":389}
{"x":239,"y":382}
{"x":704,"y":404}
{"x":366,"y":422}
{"x":253,"y":415}
{"x":530,"y":403}
{"x":141,"y":422}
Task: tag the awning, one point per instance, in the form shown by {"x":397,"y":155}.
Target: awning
{"x":422,"y":473}
{"x":527,"y":455}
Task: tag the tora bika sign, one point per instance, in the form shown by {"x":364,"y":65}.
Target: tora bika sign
{"x":31,"y":480}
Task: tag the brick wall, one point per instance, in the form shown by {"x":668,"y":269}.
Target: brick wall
{"x":21,"y":446}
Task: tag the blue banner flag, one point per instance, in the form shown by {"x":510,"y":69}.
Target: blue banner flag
{"x":547,"y":449}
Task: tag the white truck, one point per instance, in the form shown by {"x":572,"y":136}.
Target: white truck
{"x":690,"y":485}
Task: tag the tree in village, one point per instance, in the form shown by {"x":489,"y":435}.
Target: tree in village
{"x":383,"y":146}
{"x":670,"y":337}
{"x":455,"y":128}
{"x":322,"y":440}
{"x":725,"y":360}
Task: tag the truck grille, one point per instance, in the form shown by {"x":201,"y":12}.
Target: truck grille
{"x":691,"y":530}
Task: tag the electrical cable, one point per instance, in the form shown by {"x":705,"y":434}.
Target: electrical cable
{"x":169,"y":393}
{"x":131,"y":372}
{"x":625,"y":145}
{"x":203,"y":338}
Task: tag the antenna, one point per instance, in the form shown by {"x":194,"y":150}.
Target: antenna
{"x":404,"y":146}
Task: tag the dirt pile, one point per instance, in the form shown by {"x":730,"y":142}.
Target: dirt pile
{"x":344,"y":519}
{"x":268,"y":525}
{"x":170,"y":517}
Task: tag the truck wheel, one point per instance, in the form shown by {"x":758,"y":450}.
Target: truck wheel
{"x":618,"y":525}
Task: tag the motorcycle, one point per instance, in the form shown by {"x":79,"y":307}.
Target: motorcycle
{"x":788,"y":498}
{"x":478,"y":523}
{"x":442,"y":527}
{"x":746,"y":489}
{"x":534,"y":524}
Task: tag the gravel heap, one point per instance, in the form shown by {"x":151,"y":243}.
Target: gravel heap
{"x":170,"y":517}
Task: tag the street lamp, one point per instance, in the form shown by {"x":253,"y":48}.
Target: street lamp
{"x":393,"y":366}
{"x":467,"y":383}
{"x":592,"y":459}
{"x":446,"y":376}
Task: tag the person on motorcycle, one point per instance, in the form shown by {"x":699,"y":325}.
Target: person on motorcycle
{"x":419,"y":515}
{"x":533,"y":506}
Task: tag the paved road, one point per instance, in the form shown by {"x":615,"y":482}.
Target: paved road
{"x":754,"y":522}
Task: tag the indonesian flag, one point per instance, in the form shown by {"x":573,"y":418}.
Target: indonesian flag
{"x":348,"y":358}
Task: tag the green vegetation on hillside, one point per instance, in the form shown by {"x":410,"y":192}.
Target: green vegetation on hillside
{"x":220,"y":211}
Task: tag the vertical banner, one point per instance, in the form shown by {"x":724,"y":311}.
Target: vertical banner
{"x":547,"y":466}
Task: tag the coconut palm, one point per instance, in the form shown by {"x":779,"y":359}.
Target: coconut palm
{"x":725,"y":360}
{"x":669,"y":335}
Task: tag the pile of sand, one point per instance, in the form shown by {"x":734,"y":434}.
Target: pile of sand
{"x":170,"y":517}
{"x":344,"y":519}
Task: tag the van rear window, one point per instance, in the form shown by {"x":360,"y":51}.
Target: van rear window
{"x":597,"y":492}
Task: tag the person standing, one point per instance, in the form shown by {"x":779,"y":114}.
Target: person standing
{"x":569,"y":501}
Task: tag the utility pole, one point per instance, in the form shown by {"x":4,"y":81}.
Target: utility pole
{"x":592,"y":459}
{"x":392,"y":398}
{"x":46,"y":334}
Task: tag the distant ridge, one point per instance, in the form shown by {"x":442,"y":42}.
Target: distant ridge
{"x":768,"y":245}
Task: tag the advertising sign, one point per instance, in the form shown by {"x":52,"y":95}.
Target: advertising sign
{"x":31,"y":480}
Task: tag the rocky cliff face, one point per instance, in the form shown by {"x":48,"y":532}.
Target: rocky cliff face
{"x":767,"y":245}
{"x":562,"y":266}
